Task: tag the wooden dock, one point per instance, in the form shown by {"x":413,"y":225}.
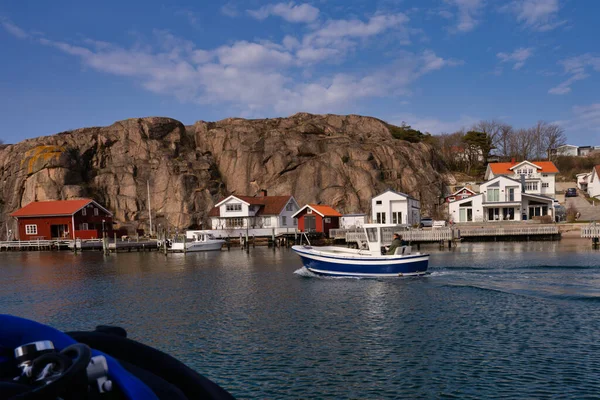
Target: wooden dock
{"x":78,"y":245}
{"x":513,"y":233}
{"x":592,"y":231}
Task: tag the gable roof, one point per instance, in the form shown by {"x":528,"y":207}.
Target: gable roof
{"x":460,"y":190}
{"x":470,"y":198}
{"x":597,"y":169}
{"x":505,"y":168}
{"x":54,"y":207}
{"x":322,"y":210}
{"x":487,"y":183}
{"x":268,"y":205}
{"x":395,"y":192}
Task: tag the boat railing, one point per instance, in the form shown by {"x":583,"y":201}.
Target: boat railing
{"x":592,"y":231}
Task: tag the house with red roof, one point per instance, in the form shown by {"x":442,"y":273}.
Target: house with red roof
{"x":538,"y":177}
{"x":317,"y":218}
{"x":254,"y":212}
{"x":460,"y":194}
{"x":63,"y":219}
{"x":593,"y":187}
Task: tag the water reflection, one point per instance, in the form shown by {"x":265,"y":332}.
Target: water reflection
{"x":491,"y":320}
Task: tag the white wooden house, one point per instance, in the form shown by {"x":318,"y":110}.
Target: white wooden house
{"x":539,"y":176}
{"x":254,"y":212}
{"x":391,"y":207}
{"x":349,"y":221}
{"x":501,"y":199}
{"x":593,"y":187}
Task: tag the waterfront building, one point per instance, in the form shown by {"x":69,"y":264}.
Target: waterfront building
{"x":350,"y":221}
{"x":63,"y":219}
{"x":501,"y":199}
{"x":391,"y":207}
{"x":539,"y":177}
{"x":255,"y":212}
{"x":574,"y":151}
{"x":460,"y":194}
{"x":317,"y":218}
{"x":593,"y":188}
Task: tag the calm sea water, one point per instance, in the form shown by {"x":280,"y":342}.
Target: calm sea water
{"x":495,"y":320}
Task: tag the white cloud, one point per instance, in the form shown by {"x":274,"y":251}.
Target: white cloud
{"x":288,"y":11}
{"x":467,"y":13}
{"x":519,"y":56}
{"x":539,"y":15}
{"x":230,"y":10}
{"x":13,"y":29}
{"x":587,"y":117}
{"x":577,"y":68}
{"x":255,"y":78}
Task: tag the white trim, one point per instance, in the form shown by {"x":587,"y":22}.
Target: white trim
{"x":364,"y":274}
{"x":230,"y":197}
{"x":311,"y":208}
{"x":32,"y":233}
{"x":461,"y":189}
{"x":525,"y":162}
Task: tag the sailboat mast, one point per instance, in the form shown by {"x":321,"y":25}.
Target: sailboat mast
{"x":149,"y":207}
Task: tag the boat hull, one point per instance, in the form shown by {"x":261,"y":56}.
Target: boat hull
{"x":319,"y":262}
{"x":199,"y":246}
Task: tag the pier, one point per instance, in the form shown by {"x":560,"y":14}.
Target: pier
{"x":592,"y":231}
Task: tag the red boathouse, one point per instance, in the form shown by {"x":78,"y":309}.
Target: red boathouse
{"x":63,"y":219}
{"x":317,"y":218}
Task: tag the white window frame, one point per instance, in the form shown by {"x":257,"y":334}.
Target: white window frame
{"x":493,"y":195}
{"x":233,"y":207}
{"x":267,"y":221}
{"x":378,"y":202}
{"x":531,"y":186}
{"x":327,"y":220}
{"x":96,"y":212}
{"x":84,"y":226}
{"x":289,"y":207}
{"x":283,"y":220}
{"x":295,"y":221}
{"x":31,"y":229}
{"x":545,"y":185}
{"x":83,"y":211}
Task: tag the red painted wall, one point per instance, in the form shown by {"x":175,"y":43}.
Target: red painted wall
{"x":320,"y":225}
{"x":44,"y":223}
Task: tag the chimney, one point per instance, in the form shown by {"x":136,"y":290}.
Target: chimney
{"x":522,"y":183}
{"x":263,"y":192}
{"x":513,"y":160}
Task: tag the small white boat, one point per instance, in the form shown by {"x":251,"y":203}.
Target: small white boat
{"x":198,"y":241}
{"x":339,"y":261}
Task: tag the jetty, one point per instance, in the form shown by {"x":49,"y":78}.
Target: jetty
{"x":79,"y":245}
{"x":592,"y":231}
{"x":456,"y":234}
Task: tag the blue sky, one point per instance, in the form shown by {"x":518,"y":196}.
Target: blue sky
{"x":439,"y":65}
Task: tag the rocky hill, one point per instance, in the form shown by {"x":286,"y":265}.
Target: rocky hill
{"x":337,"y":160}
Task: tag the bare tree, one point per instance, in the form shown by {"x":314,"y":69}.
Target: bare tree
{"x":492,"y":129}
{"x":503,"y":144}
{"x":553,"y":136}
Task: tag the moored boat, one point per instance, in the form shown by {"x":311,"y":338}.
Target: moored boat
{"x":339,"y":261}
{"x":198,"y":241}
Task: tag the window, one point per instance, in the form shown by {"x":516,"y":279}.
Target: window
{"x":531,"y":186}
{"x":545,"y":185}
{"x":372,"y":234}
{"x":267,"y":221}
{"x":309,"y":211}
{"x":510,"y":194}
{"x":545,"y":175}
{"x":295,"y":221}
{"x":95,"y":212}
{"x":327,"y":220}
{"x":283,"y":220}
{"x":233,"y":207}
{"x":83,"y":212}
{"x":380,"y":218}
{"x":451,"y":198}
{"x":234,"y":222}
{"x":83,"y":226}
{"x":290,"y":207}
{"x":493,"y":195}
{"x":31,"y":229}
{"x":396,"y":217}
{"x":378,"y":202}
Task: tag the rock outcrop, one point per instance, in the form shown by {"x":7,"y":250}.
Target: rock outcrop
{"x":338,"y":160}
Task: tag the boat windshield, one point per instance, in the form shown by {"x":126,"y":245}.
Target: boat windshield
{"x":372,"y":234}
{"x":210,"y":236}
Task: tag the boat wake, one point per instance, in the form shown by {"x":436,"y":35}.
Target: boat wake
{"x":304,"y":272}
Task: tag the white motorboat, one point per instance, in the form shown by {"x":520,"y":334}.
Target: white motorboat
{"x":198,"y":241}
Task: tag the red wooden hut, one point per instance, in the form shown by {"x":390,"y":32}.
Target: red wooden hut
{"x":65,"y":219}
{"x":317,"y":218}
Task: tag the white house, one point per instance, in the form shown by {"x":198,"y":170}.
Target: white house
{"x":575,"y":151}
{"x":594,"y":183}
{"x":539,"y":176}
{"x":583,"y":180}
{"x":353,"y":221}
{"x":501,"y":199}
{"x":391,"y":207}
{"x":237,"y":212}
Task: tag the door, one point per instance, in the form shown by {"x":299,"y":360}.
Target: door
{"x":310,"y":223}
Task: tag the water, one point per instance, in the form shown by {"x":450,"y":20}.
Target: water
{"x":501,"y":320}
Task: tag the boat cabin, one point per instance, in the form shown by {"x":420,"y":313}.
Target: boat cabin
{"x":199,"y":236}
{"x":380,"y":235}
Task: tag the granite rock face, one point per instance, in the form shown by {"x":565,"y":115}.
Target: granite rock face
{"x":338,"y":160}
